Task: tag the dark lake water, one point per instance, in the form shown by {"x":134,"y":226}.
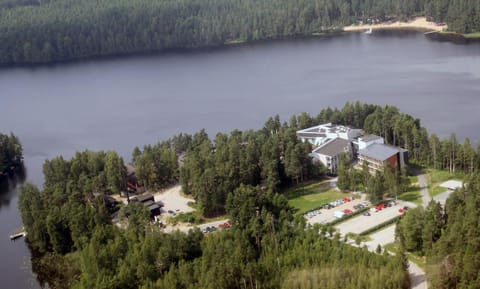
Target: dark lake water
{"x":120,"y":103}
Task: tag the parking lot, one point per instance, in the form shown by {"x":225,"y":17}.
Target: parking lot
{"x":362,"y":223}
{"x":382,"y":237}
{"x":328,"y":215}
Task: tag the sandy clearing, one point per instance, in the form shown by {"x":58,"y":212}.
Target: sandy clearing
{"x":417,"y":23}
{"x":173,"y":200}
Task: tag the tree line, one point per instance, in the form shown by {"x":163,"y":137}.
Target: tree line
{"x":58,"y":30}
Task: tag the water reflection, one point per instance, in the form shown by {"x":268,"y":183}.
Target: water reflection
{"x":9,"y":183}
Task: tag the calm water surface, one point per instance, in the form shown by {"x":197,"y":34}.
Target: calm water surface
{"x":120,"y":103}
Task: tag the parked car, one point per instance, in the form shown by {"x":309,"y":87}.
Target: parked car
{"x":366,"y":214}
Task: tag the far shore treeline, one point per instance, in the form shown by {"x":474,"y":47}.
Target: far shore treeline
{"x":57,"y":30}
{"x":243,"y":175}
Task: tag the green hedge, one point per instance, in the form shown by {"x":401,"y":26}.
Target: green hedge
{"x":349,"y":216}
{"x":381,"y":226}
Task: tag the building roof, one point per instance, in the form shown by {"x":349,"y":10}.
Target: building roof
{"x":333,"y":148}
{"x":143,"y":198}
{"x":370,"y":137}
{"x":379,"y":152}
{"x":451,"y":185}
{"x":130,"y":169}
{"x":307,"y":134}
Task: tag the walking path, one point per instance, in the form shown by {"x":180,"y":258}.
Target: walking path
{"x":424,"y":190}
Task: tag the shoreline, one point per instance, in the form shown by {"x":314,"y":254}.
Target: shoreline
{"x":419,"y":23}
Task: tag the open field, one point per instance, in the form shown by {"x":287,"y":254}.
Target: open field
{"x":314,"y":195}
{"x":312,"y":201}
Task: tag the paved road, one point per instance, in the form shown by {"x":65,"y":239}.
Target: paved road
{"x":424,"y":190}
{"x":417,"y":276}
{"x":382,"y":238}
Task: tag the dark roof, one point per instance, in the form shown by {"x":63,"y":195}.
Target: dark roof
{"x":370,"y":137}
{"x":148,"y":203}
{"x":333,"y":148}
{"x":143,"y":198}
{"x":130,"y":169}
{"x":379,"y":152}
{"x":311,"y":134}
{"x":155,"y":206}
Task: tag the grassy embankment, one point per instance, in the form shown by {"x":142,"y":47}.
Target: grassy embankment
{"x":413,"y":193}
{"x":306,"y":197}
{"x":437,"y":177}
{"x":415,"y":258}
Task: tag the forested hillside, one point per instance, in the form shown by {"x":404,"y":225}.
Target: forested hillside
{"x":57,"y":30}
{"x":241,"y":174}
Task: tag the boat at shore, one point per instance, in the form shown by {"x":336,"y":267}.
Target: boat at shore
{"x":369,"y":31}
{"x":18,"y":235}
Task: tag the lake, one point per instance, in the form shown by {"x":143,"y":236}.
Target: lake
{"x":125,"y":102}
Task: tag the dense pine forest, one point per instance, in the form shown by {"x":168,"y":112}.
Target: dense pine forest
{"x":449,"y":237}
{"x":56,"y":30}
{"x":242,"y":174}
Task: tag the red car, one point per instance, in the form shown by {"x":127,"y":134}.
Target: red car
{"x":380,"y":207}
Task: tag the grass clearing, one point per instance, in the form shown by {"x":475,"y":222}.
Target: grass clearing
{"x":311,"y":196}
{"x":414,"y":257}
{"x":413,"y":194}
{"x":437,"y":177}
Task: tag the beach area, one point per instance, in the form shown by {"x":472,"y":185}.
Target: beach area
{"x":418,"y":23}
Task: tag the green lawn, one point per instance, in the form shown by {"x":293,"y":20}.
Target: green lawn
{"x":415,"y":258}
{"x":413,"y":179}
{"x":412,"y":195}
{"x":312,"y":196}
{"x":437,"y":177}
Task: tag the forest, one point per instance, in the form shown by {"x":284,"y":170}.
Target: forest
{"x":57,"y":30}
{"x":242,"y":175}
{"x":11,"y":155}
{"x":448,"y":237}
